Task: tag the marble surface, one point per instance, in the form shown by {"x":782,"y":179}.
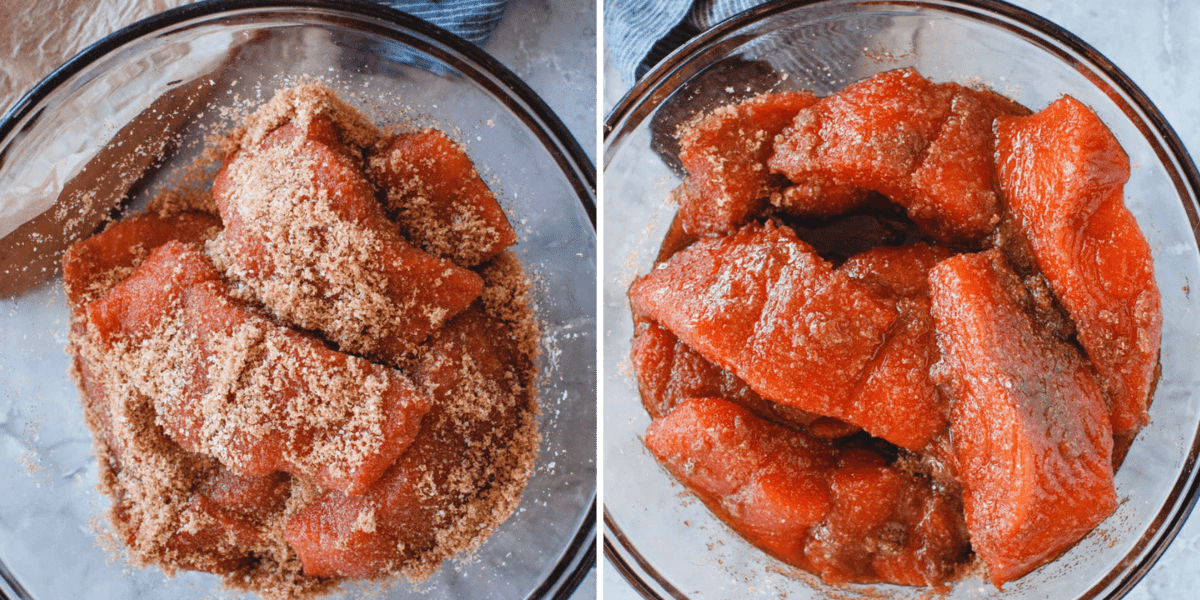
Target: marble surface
{"x":550,"y":44}
{"x":1153,"y":42}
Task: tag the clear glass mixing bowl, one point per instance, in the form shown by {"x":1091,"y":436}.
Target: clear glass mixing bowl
{"x":125,"y":117}
{"x":665,"y":542}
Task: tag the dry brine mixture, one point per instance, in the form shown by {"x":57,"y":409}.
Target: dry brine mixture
{"x":322,"y":370}
{"x":901,"y":331}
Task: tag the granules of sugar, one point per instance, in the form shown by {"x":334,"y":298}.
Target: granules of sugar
{"x":155,"y":484}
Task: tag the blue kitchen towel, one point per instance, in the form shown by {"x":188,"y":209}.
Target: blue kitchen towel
{"x":472,"y":20}
{"x":642,"y":32}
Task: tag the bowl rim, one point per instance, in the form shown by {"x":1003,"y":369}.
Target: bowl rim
{"x":579,"y":555}
{"x":579,"y":164}
{"x":641,"y":99}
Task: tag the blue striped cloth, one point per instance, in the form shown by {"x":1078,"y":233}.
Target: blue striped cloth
{"x":640,"y":33}
{"x":472,"y":20}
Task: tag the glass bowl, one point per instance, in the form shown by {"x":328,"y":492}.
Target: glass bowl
{"x":125,"y":118}
{"x":664,"y":541}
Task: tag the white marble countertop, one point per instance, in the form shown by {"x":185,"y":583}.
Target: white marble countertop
{"x":1154,"y":43}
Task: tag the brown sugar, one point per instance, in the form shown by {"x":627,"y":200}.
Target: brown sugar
{"x":258,"y":397}
{"x":306,"y":235}
{"x":438,"y":198}
{"x":228,"y":405}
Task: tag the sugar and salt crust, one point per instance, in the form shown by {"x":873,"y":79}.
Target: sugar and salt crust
{"x":182,"y":509}
{"x":973,"y":171}
{"x":260,"y":398}
{"x":438,"y":198}
{"x":467,"y":463}
{"x":305,"y":233}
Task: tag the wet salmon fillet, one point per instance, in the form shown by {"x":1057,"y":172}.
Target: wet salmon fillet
{"x":844,"y":514}
{"x":952,"y":195}
{"x":818,"y":196}
{"x":320,"y":253}
{"x":887,"y":525}
{"x":176,"y":298}
{"x":669,"y":372}
{"x":724,"y":153}
{"x":1032,"y":439}
{"x":1063,"y":173}
{"x":766,"y":481}
{"x":925,"y":146}
{"x":897,"y":271}
{"x":898,"y":375}
{"x":439,"y":200}
{"x":762,"y":305}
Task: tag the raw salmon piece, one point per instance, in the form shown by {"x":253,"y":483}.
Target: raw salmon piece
{"x":898,"y":375}
{"x":289,"y":371}
{"x":88,"y":265}
{"x":886,"y":525}
{"x":1062,"y":173}
{"x":669,"y":372}
{"x":438,"y":199}
{"x":872,"y":134}
{"x":724,"y":154}
{"x":998,"y":104}
{"x":424,"y":491}
{"x":925,"y":146}
{"x":766,"y":481}
{"x":139,"y":304}
{"x":952,"y":194}
{"x":817,"y":197}
{"x":896,"y":270}
{"x":399,"y":517}
{"x":653,"y":357}
{"x":841,"y":512}
{"x":1030,"y":428}
{"x":229,"y":510}
{"x":762,"y":305}
{"x":336,"y":264}
{"x":895,"y":392}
